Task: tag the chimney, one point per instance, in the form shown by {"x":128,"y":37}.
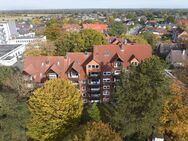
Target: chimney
{"x":65,"y":57}
{"x":122,"y":47}
{"x":183,"y":52}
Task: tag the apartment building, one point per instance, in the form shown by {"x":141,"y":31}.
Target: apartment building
{"x":7,"y":31}
{"x":93,"y":73}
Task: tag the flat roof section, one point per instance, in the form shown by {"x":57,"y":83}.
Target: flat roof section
{"x":4,"y":49}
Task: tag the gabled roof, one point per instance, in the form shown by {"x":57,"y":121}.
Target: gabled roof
{"x":116,"y":56}
{"x":39,"y":66}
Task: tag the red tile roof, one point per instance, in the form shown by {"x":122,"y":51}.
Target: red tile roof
{"x":97,"y":27}
{"x":184,"y":21}
{"x":39,"y":66}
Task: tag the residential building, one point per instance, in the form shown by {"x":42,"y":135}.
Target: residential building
{"x":71,"y":27}
{"x":94,"y":73}
{"x":9,"y":54}
{"x":98,"y":27}
{"x":163,"y":49}
{"x":177,"y":58}
{"x":26,"y":39}
{"x":7,"y":31}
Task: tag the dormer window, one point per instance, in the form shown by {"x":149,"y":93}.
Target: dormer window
{"x":106,"y":53}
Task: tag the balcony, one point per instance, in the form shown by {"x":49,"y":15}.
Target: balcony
{"x":94,"y":82}
{"x":117,"y":65}
{"x":106,"y":93}
{"x":117,"y":72}
{"x":93,"y":74}
{"x":95,"y":95}
{"x":52,"y":75}
{"x":95,"y":89}
{"x":71,"y":75}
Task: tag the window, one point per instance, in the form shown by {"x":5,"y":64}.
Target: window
{"x":97,"y":66}
{"x":106,"y":53}
{"x":106,"y":92}
{"x":106,"y":87}
{"x":89,"y":66}
{"x":106,"y":73}
{"x":52,"y":75}
{"x":93,"y":66}
{"x":106,"y":80}
{"x":134,"y":63}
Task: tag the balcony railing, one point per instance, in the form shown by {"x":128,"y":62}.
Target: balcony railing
{"x":94,"y":83}
{"x":93,"y":74}
{"x":117,"y":72}
{"x":72,"y":76}
{"x":95,"y":89}
{"x":95,"y":95}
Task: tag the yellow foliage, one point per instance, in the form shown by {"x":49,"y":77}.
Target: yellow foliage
{"x":55,"y":109}
{"x":174,"y":119}
{"x":95,"y":131}
{"x":40,"y":48}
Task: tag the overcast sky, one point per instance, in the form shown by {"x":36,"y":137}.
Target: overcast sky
{"x":61,"y":4}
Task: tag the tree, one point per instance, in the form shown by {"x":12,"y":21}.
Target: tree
{"x":91,"y":38}
{"x":150,"y":38}
{"x":5,"y":73}
{"x":55,"y":110}
{"x":137,"y":100}
{"x":40,"y":48}
{"x":135,"y":39}
{"x":82,"y":41}
{"x":69,"y":41}
{"x":53,"y":30}
{"x":174,"y":119}
{"x":94,"y":113}
{"x":94,"y":131}
{"x":13,"y":117}
{"x":182,"y":74}
{"x":117,"y":28}
{"x":17,"y":83}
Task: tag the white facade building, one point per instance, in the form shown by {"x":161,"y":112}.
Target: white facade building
{"x":7,"y":31}
{"x":26,"y":40}
{"x":9,"y":54}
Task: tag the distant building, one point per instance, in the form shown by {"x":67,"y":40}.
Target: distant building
{"x":177,"y":58}
{"x":7,"y":31}
{"x":26,"y":40}
{"x":163,"y":49}
{"x":97,"y":27}
{"x":9,"y":54}
{"x":71,"y":27}
{"x":94,"y":73}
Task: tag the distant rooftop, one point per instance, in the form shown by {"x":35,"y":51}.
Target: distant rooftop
{"x":4,"y":49}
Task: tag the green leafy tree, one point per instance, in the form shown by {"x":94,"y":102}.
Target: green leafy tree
{"x":137,"y":100}
{"x":150,"y":38}
{"x":117,"y":28}
{"x":5,"y":73}
{"x":135,"y":39}
{"x":13,"y":117}
{"x":53,"y":29}
{"x":91,"y":38}
{"x":94,"y":113}
{"x":82,"y":41}
{"x":94,"y":131}
{"x":70,"y":41}
{"x":55,"y":110}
